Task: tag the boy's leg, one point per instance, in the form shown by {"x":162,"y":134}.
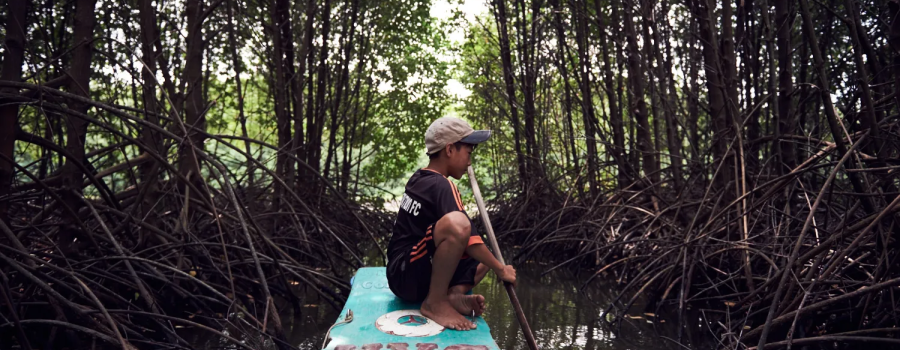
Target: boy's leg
{"x":480,"y":271}
{"x":451,"y":235}
{"x":468,"y":274}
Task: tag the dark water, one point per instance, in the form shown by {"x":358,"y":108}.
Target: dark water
{"x":560,"y":315}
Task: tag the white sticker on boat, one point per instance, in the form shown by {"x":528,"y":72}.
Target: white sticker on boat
{"x":408,"y":323}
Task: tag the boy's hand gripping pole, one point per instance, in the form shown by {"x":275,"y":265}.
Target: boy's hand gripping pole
{"x":510,"y":290}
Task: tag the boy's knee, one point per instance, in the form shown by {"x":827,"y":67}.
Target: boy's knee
{"x":456,"y":226}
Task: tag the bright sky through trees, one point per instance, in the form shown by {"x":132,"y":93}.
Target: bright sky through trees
{"x":443,"y":10}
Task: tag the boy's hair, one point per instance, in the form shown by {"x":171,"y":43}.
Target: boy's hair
{"x":456,"y":145}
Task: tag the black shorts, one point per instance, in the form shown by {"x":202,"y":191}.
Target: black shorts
{"x":411,"y":280}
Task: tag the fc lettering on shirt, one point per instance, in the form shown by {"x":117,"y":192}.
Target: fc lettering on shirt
{"x":410,"y":205}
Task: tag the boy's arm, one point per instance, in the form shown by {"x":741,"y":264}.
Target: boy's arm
{"x":483,"y":255}
{"x":480,"y":252}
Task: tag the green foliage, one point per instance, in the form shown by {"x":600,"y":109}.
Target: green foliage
{"x":398,"y":58}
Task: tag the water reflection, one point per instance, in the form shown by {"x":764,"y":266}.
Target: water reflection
{"x":561,"y":316}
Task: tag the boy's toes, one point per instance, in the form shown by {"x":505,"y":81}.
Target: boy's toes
{"x":444,"y":314}
{"x":479,"y":307}
{"x":462,"y":326}
{"x":466,"y":304}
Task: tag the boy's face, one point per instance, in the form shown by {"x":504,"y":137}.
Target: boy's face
{"x":460,"y":159}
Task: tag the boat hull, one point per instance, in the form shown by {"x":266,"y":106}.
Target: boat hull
{"x":383,"y":321}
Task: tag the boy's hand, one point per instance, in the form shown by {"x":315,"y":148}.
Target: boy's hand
{"x":507,"y":274}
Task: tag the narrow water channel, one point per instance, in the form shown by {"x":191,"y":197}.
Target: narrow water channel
{"x":562,"y":317}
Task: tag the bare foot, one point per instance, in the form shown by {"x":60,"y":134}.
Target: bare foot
{"x":445,"y":315}
{"x":465,"y":304}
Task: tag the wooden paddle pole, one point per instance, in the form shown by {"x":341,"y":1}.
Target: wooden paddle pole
{"x":510,"y":289}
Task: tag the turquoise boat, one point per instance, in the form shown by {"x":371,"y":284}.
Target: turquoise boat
{"x":374,"y":318}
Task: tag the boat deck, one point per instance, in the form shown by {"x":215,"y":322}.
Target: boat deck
{"x":383,"y":321}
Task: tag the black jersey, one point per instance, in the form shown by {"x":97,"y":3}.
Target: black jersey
{"x":428,"y":197}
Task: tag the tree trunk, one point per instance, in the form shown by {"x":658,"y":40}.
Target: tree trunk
{"x":771,"y":81}
{"x":733,"y":130}
{"x":732,"y":81}
{"x":729,"y":62}
{"x":703,"y":12}
{"x":894,"y":39}
{"x":639,"y":105}
{"x":236,"y":63}
{"x":311,"y":119}
{"x":869,"y":119}
{"x":692,"y":85}
{"x":149,"y":171}
{"x":342,"y":81}
{"x":321,"y":110}
{"x":633,"y":163}
{"x":527,"y":43}
{"x":587,"y":105}
{"x":785,"y":150}
{"x":292,"y":84}
{"x":650,"y":48}
{"x":76,"y":128}
{"x":803,"y":101}
{"x":667,"y":93}
{"x":752,"y":55}
{"x":824,"y":89}
{"x":872,"y":59}
{"x":365,"y":125}
{"x":564,"y":71}
{"x":350,"y":133}
{"x":509,"y":80}
{"x":304,"y":80}
{"x":14,"y":47}
{"x":194,"y":116}
{"x":278,"y":13}
{"x":615,"y":114}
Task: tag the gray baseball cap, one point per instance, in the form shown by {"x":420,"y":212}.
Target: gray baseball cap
{"x":448,"y":130}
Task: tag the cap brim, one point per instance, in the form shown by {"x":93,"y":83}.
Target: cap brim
{"x":478,"y":136}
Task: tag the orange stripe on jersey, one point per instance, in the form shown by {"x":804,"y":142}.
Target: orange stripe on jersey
{"x":458,"y":196}
{"x":455,"y":194}
{"x":427,"y":237}
{"x":417,"y":257}
{"x":421,"y":243}
{"x":453,"y":189}
{"x":416,"y":252}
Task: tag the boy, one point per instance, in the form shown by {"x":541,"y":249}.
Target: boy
{"x":434,"y":253}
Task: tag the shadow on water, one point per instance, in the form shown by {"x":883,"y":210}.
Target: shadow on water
{"x":562,"y":317}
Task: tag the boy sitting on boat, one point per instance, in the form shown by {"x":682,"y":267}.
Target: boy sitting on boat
{"x":435,"y":256}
